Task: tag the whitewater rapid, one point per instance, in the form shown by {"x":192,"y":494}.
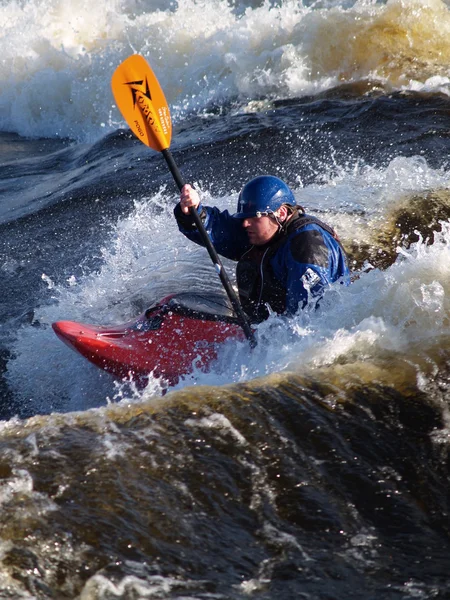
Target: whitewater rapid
{"x":384,"y":311}
{"x":56,"y":64}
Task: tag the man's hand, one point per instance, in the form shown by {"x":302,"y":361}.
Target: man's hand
{"x":188,"y":198}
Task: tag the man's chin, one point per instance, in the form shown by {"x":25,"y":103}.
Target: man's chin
{"x":255,"y":239}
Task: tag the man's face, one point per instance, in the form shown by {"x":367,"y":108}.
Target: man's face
{"x":260,"y":230}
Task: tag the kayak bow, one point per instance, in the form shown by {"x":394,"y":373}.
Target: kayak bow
{"x":170,"y":339}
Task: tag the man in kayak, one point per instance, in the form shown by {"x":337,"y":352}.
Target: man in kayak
{"x":285,"y":258}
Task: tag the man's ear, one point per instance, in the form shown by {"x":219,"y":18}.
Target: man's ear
{"x":282,"y":213}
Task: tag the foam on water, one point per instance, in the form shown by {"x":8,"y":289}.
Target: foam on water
{"x":383,"y":313}
{"x":147,"y":258}
{"x":57,"y":64}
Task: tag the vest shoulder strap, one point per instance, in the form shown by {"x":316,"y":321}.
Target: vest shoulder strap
{"x":309,"y":219}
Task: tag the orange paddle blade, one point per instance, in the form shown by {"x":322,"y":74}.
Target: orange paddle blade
{"x":141,"y":101}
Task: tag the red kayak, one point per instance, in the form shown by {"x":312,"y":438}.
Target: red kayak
{"x":169,"y":340}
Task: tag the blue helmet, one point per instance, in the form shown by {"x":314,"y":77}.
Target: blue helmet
{"x":262,"y":196}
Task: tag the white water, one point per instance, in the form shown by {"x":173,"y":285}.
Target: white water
{"x":58,"y":57}
{"x":146,"y":258}
{"x":384,"y":312}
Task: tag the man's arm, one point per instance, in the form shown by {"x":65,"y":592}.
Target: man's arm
{"x":226,"y":234}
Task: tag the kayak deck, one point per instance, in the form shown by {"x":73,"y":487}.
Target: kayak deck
{"x":170,"y":339}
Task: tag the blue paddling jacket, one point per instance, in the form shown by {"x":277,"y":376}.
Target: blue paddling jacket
{"x":290,"y":271}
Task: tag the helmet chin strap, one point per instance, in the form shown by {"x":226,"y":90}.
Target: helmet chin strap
{"x":280,"y":224}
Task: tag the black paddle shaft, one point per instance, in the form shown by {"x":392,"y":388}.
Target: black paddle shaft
{"x":245,"y":324}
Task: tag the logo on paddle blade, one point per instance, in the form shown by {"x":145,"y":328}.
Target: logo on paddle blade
{"x":143,"y":99}
{"x":135,"y":91}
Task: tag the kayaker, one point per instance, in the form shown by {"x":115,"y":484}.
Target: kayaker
{"x":285,"y":257}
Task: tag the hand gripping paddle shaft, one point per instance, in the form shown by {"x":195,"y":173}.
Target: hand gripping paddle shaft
{"x":141,"y":101}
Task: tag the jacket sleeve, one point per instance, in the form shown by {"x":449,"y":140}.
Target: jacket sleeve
{"x":226,"y":233}
{"x":313,"y":260}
